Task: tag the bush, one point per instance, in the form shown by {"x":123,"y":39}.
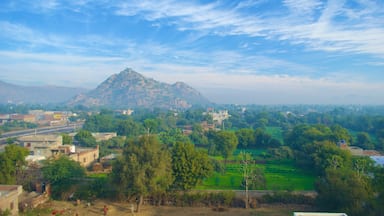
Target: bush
{"x":287,"y":198}
{"x":204,"y":199}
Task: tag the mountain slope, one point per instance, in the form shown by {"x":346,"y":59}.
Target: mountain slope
{"x":129,"y":89}
{"x":10,"y":93}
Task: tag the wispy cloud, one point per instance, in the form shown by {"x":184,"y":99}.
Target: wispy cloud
{"x":333,"y":26}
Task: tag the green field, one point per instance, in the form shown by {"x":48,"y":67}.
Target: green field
{"x":279,"y":175}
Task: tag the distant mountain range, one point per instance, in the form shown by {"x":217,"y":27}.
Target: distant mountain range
{"x":17,"y":94}
{"x":129,"y":89}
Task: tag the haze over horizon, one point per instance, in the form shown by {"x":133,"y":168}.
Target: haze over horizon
{"x":241,"y":52}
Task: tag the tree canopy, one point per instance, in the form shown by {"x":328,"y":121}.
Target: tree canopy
{"x":189,"y":166}
{"x":12,"y":161}
{"x":144,"y":168}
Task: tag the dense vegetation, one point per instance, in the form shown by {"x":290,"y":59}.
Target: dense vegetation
{"x":290,"y":147}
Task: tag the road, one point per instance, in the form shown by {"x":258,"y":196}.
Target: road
{"x":42,"y":130}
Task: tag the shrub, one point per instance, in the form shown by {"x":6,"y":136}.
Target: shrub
{"x":287,"y":198}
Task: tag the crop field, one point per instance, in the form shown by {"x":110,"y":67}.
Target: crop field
{"x":279,"y":175}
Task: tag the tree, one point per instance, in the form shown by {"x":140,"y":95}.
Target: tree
{"x":225,"y":142}
{"x":129,"y":128}
{"x":344,"y":190}
{"x":12,"y":161}
{"x":143,"y":169}
{"x":198,"y":136}
{"x":189,"y":166}
{"x":104,"y":122}
{"x":340,"y":133}
{"x":66,"y":139}
{"x":150,"y":126}
{"x":378,"y":184}
{"x":62,"y":173}
{"x":85,"y":138}
{"x":251,"y":175}
{"x":246,"y":137}
{"x":173,"y":136}
{"x":364,"y":140}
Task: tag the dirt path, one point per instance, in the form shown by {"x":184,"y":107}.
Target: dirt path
{"x":120,"y":209}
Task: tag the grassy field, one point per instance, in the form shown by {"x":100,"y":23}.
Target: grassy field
{"x":279,"y":175}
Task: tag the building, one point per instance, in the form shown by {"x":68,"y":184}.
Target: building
{"x":41,"y":145}
{"x":318,"y":214}
{"x":85,"y":156}
{"x":4,"y":118}
{"x":104,"y":136}
{"x":9,"y":198}
{"x":379,"y":160}
{"x":218,"y":117}
{"x":25,"y":118}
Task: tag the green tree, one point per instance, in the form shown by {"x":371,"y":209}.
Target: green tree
{"x":67,"y":140}
{"x":12,"y":161}
{"x":340,"y":133}
{"x":225,"y":142}
{"x":129,"y":128}
{"x":62,"y":173}
{"x":189,"y":166}
{"x":85,"y":138}
{"x":103,"y":122}
{"x":345,"y":191}
{"x":172,"y":136}
{"x":378,"y":184}
{"x":246,"y":137}
{"x":364,"y":141}
{"x":150,"y":126}
{"x":143,"y":169}
{"x":198,"y":136}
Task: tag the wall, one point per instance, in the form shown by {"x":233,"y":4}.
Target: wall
{"x":9,"y":198}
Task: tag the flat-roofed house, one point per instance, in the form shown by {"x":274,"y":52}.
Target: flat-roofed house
{"x":9,"y":198}
{"x":85,"y":156}
{"x":41,"y":145}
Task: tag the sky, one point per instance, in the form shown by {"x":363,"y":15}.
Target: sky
{"x":233,"y":52}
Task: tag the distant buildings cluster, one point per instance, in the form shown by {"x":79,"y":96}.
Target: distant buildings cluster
{"x":39,"y":117}
{"x":357,"y":151}
{"x":42,"y":147}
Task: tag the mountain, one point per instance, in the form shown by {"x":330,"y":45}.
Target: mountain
{"x":129,"y":89}
{"x":10,"y":93}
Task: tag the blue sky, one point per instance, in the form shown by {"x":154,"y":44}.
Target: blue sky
{"x":250,"y":51}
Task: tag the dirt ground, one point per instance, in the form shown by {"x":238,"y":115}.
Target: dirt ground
{"x":116,"y":209}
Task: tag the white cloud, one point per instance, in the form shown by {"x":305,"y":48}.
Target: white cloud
{"x":326,"y":33}
{"x":303,"y":7}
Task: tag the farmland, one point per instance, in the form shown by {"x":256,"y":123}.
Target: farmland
{"x":279,"y":174}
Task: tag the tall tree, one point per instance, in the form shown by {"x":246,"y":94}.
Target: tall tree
{"x":344,"y":190}
{"x":12,"y":161}
{"x":150,"y":125}
{"x":62,"y":174}
{"x":85,"y":138}
{"x":225,"y":142}
{"x":143,"y":169}
{"x":363,"y":140}
{"x":252,"y":176}
{"x":189,"y":166}
{"x":246,"y":137}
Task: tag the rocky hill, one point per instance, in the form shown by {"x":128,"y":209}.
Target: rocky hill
{"x":10,"y":93}
{"x":129,"y":89}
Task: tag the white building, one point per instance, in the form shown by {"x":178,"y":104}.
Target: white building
{"x":318,"y":214}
